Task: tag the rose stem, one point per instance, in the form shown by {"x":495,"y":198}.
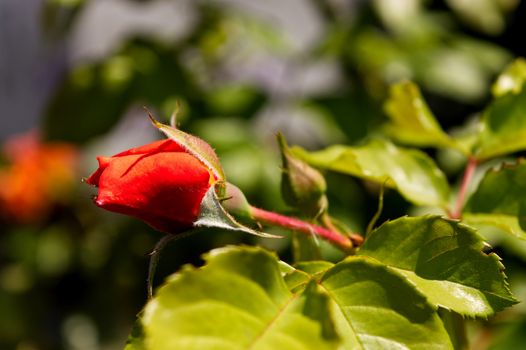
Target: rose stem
{"x":468,"y":174}
{"x":275,"y":219}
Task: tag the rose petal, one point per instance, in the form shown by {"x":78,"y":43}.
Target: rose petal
{"x":163,"y":189}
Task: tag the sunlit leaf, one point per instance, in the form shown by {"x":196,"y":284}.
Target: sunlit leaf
{"x":412,"y":122}
{"x":505,"y":223}
{"x":238,"y":300}
{"x":295,"y":279}
{"x":500,"y":200}
{"x":305,"y":247}
{"x":444,"y":261}
{"x":371,"y":309}
{"x":503,"y":126}
{"x":136,"y":339}
{"x":511,"y":80}
{"x":314,"y":268}
{"x":411,"y":172}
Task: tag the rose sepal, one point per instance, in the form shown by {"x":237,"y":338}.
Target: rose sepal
{"x":213,"y":214}
{"x":194,"y":146}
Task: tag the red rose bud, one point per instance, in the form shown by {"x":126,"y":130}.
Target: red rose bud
{"x":159,"y":183}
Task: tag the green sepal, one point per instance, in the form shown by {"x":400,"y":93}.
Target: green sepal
{"x":213,"y":214}
{"x":194,"y":146}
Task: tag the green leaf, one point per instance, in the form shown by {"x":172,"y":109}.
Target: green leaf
{"x":507,"y":224}
{"x":212,"y":214}
{"x":444,"y":260}
{"x":238,"y":300}
{"x":511,"y":79}
{"x":456,"y":328}
{"x":314,"y":268}
{"x":193,"y":145}
{"x":374,"y":307}
{"x":500,"y":200}
{"x":412,"y":172}
{"x":296,"y":280}
{"x":412,"y":122}
{"x":510,"y":335}
{"x":503,"y":126}
{"x":136,"y":338}
{"x":305,"y":247}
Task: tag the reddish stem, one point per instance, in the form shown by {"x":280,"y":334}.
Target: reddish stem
{"x":275,"y":219}
{"x":468,"y":174}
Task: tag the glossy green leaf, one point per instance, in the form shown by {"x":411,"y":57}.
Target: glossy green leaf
{"x":500,"y":200}
{"x":374,"y":307}
{"x":412,"y":122}
{"x":511,"y":80}
{"x":314,"y":268}
{"x":136,"y":339}
{"x":444,"y":261}
{"x":296,"y":280}
{"x":455,"y":327}
{"x":411,"y":172}
{"x":503,"y":126}
{"x":305,"y":247}
{"x":505,"y":223}
{"x":238,"y":300}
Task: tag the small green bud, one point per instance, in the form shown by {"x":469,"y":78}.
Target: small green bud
{"x":302,"y":186}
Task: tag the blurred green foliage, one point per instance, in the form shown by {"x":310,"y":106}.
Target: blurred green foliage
{"x":76,"y":279}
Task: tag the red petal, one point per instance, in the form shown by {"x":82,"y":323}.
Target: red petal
{"x":163,"y":189}
{"x":166,"y":145}
{"x":94,"y":178}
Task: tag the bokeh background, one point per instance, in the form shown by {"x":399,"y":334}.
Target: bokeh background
{"x":75,"y":75}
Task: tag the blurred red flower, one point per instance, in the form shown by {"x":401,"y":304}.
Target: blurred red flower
{"x":36,"y":176}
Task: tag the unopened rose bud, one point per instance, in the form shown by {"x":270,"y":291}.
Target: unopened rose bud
{"x":302,"y":186}
{"x":159,"y":183}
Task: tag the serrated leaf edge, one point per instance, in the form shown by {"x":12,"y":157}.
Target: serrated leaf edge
{"x":481,"y":244}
